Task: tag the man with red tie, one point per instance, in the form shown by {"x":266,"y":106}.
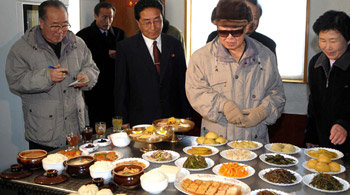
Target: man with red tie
{"x":150,"y":71}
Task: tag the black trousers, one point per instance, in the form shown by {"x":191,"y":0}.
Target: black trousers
{"x":33,"y":145}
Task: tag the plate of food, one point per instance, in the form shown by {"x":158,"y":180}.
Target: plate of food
{"x":240,"y":155}
{"x":181,"y":125}
{"x":245,"y":144}
{"x":325,"y":183}
{"x":278,"y":160}
{"x":70,"y":153}
{"x":234,"y":170}
{"x":194,"y":163}
{"x":133,"y":161}
{"x":102,"y":142}
{"x":201,"y":150}
{"x":211,"y":139}
{"x":282,"y":148}
{"x":210,"y":184}
{"x":280,"y":176}
{"x":111,"y":155}
{"x":161,"y":156}
{"x":148,"y":134}
{"x":333,"y":154}
{"x":268,"y":191}
{"x":323,"y":167}
{"x":88,"y":147}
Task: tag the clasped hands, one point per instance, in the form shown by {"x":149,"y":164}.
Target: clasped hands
{"x":59,"y":74}
{"x":244,"y":118}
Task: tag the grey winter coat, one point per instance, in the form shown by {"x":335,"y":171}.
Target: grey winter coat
{"x":50,"y":109}
{"x":214,"y":77}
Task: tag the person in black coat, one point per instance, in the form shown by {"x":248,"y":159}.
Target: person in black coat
{"x":101,"y":38}
{"x":257,"y":12}
{"x":142,"y":93}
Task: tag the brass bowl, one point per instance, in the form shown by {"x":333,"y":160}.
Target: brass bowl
{"x":181,"y":125}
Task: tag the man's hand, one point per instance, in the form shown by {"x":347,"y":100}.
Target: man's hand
{"x":58,"y":75}
{"x":232,"y":113}
{"x":338,"y":134}
{"x":83,"y":80}
{"x":255,"y":116}
{"x":112,"y":53}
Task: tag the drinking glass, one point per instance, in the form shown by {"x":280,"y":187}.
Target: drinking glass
{"x":87,"y":134}
{"x":117,"y":122}
{"x":100,"y":128}
{"x":72,"y":139}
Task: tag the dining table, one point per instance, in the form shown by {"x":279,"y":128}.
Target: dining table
{"x":71,"y":185}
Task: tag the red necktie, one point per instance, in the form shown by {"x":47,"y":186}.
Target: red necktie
{"x":156,"y":56}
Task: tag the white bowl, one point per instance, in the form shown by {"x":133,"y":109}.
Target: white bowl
{"x":152,"y":186}
{"x":105,"y":174}
{"x":54,"y":161}
{"x":120,"y":139}
{"x":88,"y":150}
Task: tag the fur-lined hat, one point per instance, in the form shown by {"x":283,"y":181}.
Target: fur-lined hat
{"x":232,"y":13}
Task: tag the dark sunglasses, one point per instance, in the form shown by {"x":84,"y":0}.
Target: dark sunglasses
{"x":234,"y":33}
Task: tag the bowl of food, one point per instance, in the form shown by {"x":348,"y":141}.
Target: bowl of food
{"x":128,"y":175}
{"x":31,"y":159}
{"x":79,"y":166}
{"x":154,"y":181}
{"x":102,"y":169}
{"x":54,"y":161}
{"x":120,"y":139}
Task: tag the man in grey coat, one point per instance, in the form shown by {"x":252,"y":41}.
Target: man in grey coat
{"x":40,"y":67}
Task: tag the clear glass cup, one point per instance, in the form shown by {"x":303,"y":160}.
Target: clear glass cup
{"x":100,"y":128}
{"x":117,"y":122}
{"x":87,"y":134}
{"x":72,"y":140}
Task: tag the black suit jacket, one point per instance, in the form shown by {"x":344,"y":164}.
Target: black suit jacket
{"x":100,"y":100}
{"x":142,"y":95}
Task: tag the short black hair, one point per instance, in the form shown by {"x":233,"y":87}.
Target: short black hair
{"x":333,"y":20}
{"x":49,"y":3}
{"x":143,"y":4}
{"x":103,"y":5}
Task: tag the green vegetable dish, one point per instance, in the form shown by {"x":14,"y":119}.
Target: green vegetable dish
{"x":279,"y":160}
{"x":195,"y":162}
{"x":326,"y":182}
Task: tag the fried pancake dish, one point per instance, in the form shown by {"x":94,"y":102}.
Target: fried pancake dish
{"x":200,"y":187}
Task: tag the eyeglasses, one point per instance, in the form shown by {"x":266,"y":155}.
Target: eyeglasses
{"x":149,"y":23}
{"x":56,"y":27}
{"x":234,"y":33}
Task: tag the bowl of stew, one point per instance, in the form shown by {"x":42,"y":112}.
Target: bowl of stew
{"x":128,"y":175}
{"x":79,"y":166}
{"x":31,"y":159}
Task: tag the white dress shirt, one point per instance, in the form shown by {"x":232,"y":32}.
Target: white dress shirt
{"x":149,"y":44}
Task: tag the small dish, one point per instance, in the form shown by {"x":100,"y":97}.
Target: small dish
{"x":259,"y":145}
{"x":180,"y":162}
{"x":342,"y":169}
{"x":213,"y":150}
{"x":297,"y":176}
{"x":263,"y":158}
{"x":174,"y":156}
{"x":268,"y":147}
{"x":223,"y":153}
{"x":88,"y":147}
{"x":102,"y":142}
{"x":308,"y":178}
{"x":250,"y":169}
{"x":50,"y":177}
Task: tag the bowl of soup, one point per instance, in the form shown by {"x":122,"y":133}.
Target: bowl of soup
{"x":31,"y":159}
{"x":127,"y":175}
{"x":79,"y":166}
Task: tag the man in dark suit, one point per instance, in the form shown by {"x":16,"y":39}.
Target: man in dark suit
{"x":101,"y":38}
{"x":150,"y":84}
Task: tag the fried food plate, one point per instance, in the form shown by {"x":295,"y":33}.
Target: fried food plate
{"x":339,"y":153}
{"x":211,"y":177}
{"x":213,"y":150}
{"x":119,"y":154}
{"x":308,"y":178}
{"x":259,"y":145}
{"x":264,"y":171}
{"x":342,"y":169}
{"x":268,"y":147}
{"x":214,"y":145}
{"x":250,"y":169}
{"x":263,"y":158}
{"x":180,"y":162}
